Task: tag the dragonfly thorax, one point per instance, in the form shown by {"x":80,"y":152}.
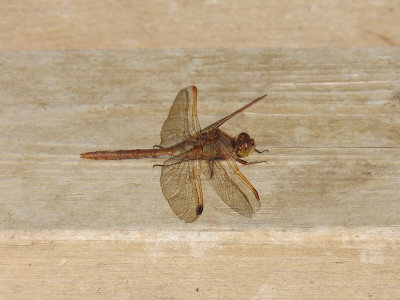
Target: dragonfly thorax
{"x":243,"y":144}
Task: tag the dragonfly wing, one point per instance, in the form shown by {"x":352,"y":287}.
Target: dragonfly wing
{"x":182,"y":119}
{"x":181,"y":186}
{"x":229,"y":183}
{"x":218,"y":123}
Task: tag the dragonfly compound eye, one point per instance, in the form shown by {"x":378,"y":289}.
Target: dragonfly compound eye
{"x":244,"y":145}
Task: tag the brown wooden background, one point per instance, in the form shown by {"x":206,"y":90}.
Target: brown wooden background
{"x":329,"y":223}
{"x":59,"y":25}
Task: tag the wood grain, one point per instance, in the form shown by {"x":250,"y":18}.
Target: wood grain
{"x":352,"y":264}
{"x":102,"y":24}
{"x":329,"y":222}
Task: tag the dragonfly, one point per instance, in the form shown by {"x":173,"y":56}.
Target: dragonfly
{"x":192,"y":152}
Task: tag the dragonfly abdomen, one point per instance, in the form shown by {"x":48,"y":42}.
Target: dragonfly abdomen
{"x":127,"y":154}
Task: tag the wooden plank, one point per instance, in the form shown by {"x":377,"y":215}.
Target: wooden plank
{"x":331,"y":122}
{"x":82,"y":24}
{"x":349,"y":264}
{"x":330,"y":197}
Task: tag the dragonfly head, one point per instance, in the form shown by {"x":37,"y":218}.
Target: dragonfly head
{"x":244,"y":145}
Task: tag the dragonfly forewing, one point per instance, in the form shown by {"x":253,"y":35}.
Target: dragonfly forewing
{"x":228,"y":182}
{"x":231,"y":186}
{"x":182,"y":119}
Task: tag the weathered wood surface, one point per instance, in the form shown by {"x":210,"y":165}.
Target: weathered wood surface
{"x":102,"y":24}
{"x":154,"y":264}
{"x":330,"y":191}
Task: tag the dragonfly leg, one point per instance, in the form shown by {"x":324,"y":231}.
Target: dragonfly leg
{"x":257,"y":162}
{"x":175,"y":163}
{"x":262,"y":151}
{"x":158,"y":146}
{"x":244,"y":162}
